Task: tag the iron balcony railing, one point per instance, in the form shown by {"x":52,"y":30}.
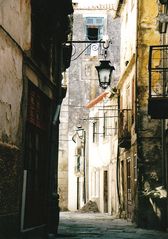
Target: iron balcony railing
{"x":158,"y":82}
{"x":158,"y":71}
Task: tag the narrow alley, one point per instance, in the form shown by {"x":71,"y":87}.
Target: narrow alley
{"x":97,"y":225}
{"x":83,"y":119}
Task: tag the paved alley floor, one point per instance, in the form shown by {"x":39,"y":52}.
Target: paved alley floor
{"x":96,"y":225}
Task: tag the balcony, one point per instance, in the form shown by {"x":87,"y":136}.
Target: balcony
{"x":158,"y":82}
{"x":124,"y":129}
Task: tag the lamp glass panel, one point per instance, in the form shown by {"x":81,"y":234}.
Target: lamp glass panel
{"x":104,"y":75}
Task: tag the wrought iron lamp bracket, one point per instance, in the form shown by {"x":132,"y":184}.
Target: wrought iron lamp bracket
{"x":72,"y":43}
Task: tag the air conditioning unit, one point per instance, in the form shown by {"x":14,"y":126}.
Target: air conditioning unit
{"x":163,"y":1}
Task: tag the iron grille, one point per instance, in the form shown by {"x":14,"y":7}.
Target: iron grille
{"x":158,"y":82}
{"x":158,"y":71}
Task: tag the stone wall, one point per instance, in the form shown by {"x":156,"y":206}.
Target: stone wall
{"x":10,"y":184}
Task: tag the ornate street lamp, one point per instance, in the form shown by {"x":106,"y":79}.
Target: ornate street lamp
{"x":104,"y":73}
{"x":104,"y":69}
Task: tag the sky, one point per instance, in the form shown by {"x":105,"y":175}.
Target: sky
{"x":92,"y":2}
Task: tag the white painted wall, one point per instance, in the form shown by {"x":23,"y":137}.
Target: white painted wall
{"x":103,"y":157}
{"x":72,"y":179}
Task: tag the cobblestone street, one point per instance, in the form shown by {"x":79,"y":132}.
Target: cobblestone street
{"x":97,"y":225}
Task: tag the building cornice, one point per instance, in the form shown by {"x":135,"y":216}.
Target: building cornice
{"x":96,"y":7}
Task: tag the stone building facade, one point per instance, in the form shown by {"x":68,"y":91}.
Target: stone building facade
{"x":89,"y":24}
{"x":142,"y":158}
{"x":31,"y":66}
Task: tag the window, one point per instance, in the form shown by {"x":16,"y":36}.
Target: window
{"x":94,"y":32}
{"x":95,"y":132}
{"x":105,"y":125}
{"x":38,"y":108}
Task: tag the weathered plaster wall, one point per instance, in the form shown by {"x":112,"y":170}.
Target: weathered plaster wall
{"x":15,"y":17}
{"x":11,"y":90}
{"x":14,"y":37}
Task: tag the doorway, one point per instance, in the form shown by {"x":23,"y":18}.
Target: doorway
{"x":36,"y":159}
{"x":106,"y":191}
{"x":129,"y":190}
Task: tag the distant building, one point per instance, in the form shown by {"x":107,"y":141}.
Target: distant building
{"x":93,"y":23}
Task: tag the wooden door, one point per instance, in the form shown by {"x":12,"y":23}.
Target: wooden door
{"x":129,"y":190}
{"x":36,"y":158}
